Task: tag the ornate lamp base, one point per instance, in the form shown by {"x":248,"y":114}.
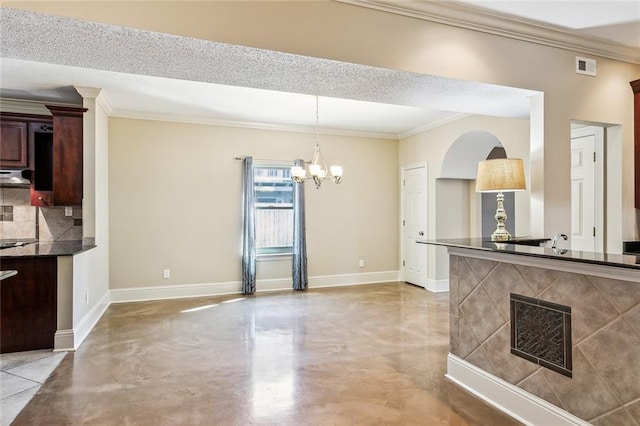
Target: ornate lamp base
{"x":501,"y":233}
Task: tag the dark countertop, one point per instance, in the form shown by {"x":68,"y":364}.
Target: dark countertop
{"x":608,"y":259}
{"x":7,"y":274}
{"x":48,"y":248}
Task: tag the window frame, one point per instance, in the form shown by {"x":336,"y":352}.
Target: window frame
{"x":274,"y":252}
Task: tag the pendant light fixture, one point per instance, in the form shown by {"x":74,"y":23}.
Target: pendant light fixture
{"x":318,"y":169}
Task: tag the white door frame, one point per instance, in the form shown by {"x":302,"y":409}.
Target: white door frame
{"x":403,"y":172}
{"x":599,"y":183}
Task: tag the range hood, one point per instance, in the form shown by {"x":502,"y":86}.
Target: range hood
{"x":14,"y":178}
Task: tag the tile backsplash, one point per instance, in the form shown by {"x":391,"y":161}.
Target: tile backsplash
{"x":21,"y":220}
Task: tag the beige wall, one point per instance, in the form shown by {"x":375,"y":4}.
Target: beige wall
{"x":353,"y":34}
{"x":432,"y":146}
{"x":175,"y":203}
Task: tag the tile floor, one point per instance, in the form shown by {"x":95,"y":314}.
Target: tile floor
{"x":360,"y":355}
{"x":21,"y":375}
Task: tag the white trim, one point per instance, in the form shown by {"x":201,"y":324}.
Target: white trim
{"x":86,"y":324}
{"x":438,"y":286}
{"x":486,"y":21}
{"x":29,"y":107}
{"x":63,"y":340}
{"x":433,"y":125}
{"x":136,"y":294}
{"x":154,"y":116}
{"x":559,"y":264}
{"x":506,"y":397}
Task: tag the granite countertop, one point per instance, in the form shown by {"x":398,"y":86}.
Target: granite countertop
{"x":7,"y":274}
{"x":608,"y":259}
{"x":46,"y":248}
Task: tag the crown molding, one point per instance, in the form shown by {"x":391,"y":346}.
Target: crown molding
{"x":433,"y":125}
{"x":478,"y":19}
{"x":21,"y":106}
{"x":144,"y":115}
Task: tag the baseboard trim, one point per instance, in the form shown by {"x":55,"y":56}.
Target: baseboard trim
{"x":86,"y":324}
{"x":71,"y":339}
{"x":506,"y":397}
{"x":63,"y":340}
{"x":438,"y":286}
{"x":138,"y":294}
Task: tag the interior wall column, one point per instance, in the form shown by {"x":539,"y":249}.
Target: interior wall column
{"x":89,"y":95}
{"x":536,"y":162}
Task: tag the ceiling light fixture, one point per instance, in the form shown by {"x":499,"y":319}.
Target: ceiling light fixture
{"x":318,"y":168}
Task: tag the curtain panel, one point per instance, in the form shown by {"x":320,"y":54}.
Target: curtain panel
{"x":248,"y":229}
{"x":300,"y":278}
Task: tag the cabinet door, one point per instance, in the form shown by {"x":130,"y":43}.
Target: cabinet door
{"x":28,"y":307}
{"x":14,"y":152}
{"x":67,"y":155}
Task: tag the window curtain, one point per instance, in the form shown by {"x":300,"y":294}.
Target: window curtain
{"x":300,"y":278}
{"x":248,"y":229}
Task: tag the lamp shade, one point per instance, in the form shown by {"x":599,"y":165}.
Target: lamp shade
{"x":500,"y":175}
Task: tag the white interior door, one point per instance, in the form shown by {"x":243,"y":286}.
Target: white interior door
{"x":414,"y":225}
{"x":586,"y":198}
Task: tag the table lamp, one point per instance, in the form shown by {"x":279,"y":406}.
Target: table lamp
{"x":500,"y":175}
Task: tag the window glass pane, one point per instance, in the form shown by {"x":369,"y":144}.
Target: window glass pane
{"x":274,"y":209}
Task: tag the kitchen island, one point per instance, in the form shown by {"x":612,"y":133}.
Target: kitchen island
{"x":548,"y":336}
{"x":34,"y":303}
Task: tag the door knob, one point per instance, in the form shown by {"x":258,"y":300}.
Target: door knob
{"x":421,"y":233}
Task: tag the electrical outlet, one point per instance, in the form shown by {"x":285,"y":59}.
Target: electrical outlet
{"x":361,"y":263}
{"x":68,"y":211}
{"x":166,"y":273}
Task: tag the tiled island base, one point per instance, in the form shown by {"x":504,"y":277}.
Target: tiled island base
{"x":601,"y":382}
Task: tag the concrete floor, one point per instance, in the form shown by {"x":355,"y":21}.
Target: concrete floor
{"x":360,"y":355}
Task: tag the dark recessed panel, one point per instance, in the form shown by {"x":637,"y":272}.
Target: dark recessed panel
{"x":541,"y":333}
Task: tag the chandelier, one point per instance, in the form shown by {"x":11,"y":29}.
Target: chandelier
{"x":318,"y":169}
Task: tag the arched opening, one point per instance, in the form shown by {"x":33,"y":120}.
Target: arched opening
{"x":460,"y":211}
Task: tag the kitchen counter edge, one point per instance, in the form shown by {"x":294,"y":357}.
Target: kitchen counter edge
{"x":50,"y":248}
{"x":607,"y":259}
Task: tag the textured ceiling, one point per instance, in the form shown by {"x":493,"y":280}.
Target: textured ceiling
{"x":144,"y":72}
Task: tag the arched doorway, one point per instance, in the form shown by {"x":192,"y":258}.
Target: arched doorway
{"x":460,"y":213}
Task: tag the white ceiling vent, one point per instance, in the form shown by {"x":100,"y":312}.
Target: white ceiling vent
{"x":585,"y":66}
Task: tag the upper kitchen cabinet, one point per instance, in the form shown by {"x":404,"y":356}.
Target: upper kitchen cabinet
{"x":67,"y":155}
{"x":14,"y":150}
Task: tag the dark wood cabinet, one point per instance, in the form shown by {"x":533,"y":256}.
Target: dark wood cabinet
{"x":14,"y":149}
{"x":51,"y":148}
{"x":67,"y":155}
{"x":28,"y":304}
{"x":635,"y":85}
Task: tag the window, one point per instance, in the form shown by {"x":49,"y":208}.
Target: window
{"x":274,"y":208}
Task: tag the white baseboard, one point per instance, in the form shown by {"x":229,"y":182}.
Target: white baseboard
{"x":510,"y":399}
{"x":438,"y":286}
{"x":86,"y":324}
{"x":63,"y":340}
{"x":137,"y":294}
{"x":70,"y":339}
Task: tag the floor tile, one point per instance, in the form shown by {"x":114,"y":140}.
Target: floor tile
{"x":39,"y":370}
{"x":15,"y":359}
{"x":11,"y":385}
{"x":11,"y":406}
